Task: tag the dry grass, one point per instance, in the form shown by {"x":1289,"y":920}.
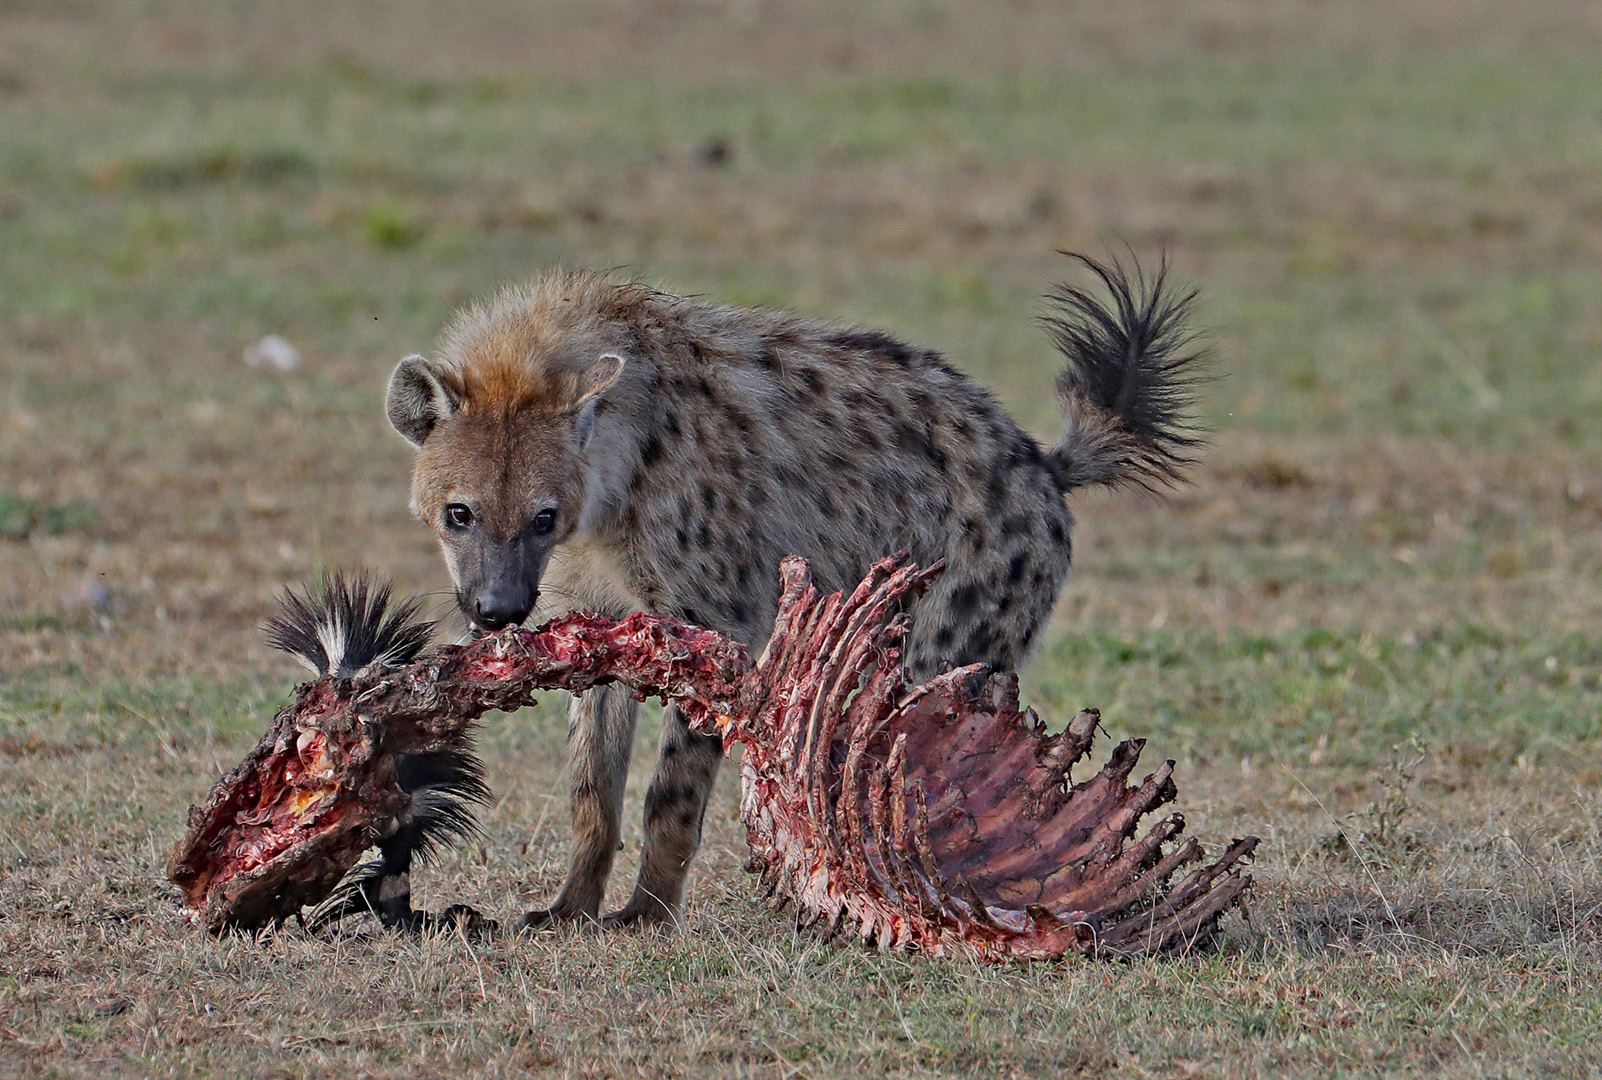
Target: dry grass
{"x":1367,"y":633}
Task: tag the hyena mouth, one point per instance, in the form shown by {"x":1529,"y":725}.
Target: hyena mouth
{"x":476,"y":629}
{"x":471,"y":629}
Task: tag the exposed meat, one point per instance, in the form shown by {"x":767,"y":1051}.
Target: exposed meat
{"x":279,"y":831}
{"x":938,"y":817}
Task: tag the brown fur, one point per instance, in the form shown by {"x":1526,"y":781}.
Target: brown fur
{"x":684,"y":448}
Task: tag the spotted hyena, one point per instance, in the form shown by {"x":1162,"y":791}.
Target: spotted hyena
{"x":583,"y":442}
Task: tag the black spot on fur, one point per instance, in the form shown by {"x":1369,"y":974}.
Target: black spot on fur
{"x":687,"y":386}
{"x":740,"y":421}
{"x":1015,"y":569}
{"x":651,"y":452}
{"x":1025,"y":452}
{"x":996,"y":494}
{"x":873,"y":341}
{"x":934,"y":362}
{"x":815,"y":383}
{"x":709,"y":498}
{"x":916,"y":439}
{"x":979,"y":646}
{"x":965,"y":600}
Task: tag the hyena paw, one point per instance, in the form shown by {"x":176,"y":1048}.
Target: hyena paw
{"x":650,"y":915}
{"x":554,"y":916}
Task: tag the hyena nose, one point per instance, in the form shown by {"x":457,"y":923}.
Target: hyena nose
{"x":494,"y":608}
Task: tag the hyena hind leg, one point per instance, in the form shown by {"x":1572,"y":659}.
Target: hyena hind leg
{"x":675,"y":806}
{"x":600,"y":734}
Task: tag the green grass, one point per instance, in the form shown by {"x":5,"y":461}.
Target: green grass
{"x":1367,"y":633}
{"x":1345,"y":696}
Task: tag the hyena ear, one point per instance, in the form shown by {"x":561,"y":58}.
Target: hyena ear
{"x":586,"y":393}
{"x":585,"y":386}
{"x":418,"y":399}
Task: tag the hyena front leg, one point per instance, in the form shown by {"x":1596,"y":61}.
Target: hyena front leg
{"x":675,"y":805}
{"x":600,"y":734}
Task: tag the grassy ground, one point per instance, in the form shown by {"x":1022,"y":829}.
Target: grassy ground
{"x":1368,"y":632}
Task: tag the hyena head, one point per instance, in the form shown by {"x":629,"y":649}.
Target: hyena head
{"x":499,"y":471}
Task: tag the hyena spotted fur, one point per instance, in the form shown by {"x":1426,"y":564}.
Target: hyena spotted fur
{"x":588,"y":443}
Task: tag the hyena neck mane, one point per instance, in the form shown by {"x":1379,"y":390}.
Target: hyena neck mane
{"x":703,"y":392}
{"x":530,"y":357}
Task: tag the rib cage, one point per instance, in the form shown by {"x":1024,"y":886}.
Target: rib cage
{"x":942,"y":817}
{"x":938,"y":817}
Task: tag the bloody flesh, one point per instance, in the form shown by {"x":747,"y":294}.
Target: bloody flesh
{"x":939,"y":817}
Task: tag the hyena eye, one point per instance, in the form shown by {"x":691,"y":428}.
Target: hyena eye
{"x":458,"y":516}
{"x":544,"y":521}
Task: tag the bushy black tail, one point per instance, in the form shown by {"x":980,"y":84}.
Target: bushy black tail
{"x":1129,"y":386}
{"x":340,"y":626}
{"x":337,"y":628}
{"x":446,"y":789}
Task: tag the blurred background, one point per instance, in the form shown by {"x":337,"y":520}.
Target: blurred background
{"x":225,"y":221}
{"x":1392,"y":211}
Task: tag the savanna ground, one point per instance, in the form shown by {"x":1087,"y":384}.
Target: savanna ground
{"x":1367,"y":632}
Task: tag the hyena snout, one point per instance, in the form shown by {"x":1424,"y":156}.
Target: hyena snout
{"x":501,"y":604}
{"x":504,"y":591}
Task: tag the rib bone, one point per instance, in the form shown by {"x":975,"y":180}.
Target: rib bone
{"x":938,"y":817}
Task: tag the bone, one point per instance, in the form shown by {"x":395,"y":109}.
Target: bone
{"x":938,"y":818}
